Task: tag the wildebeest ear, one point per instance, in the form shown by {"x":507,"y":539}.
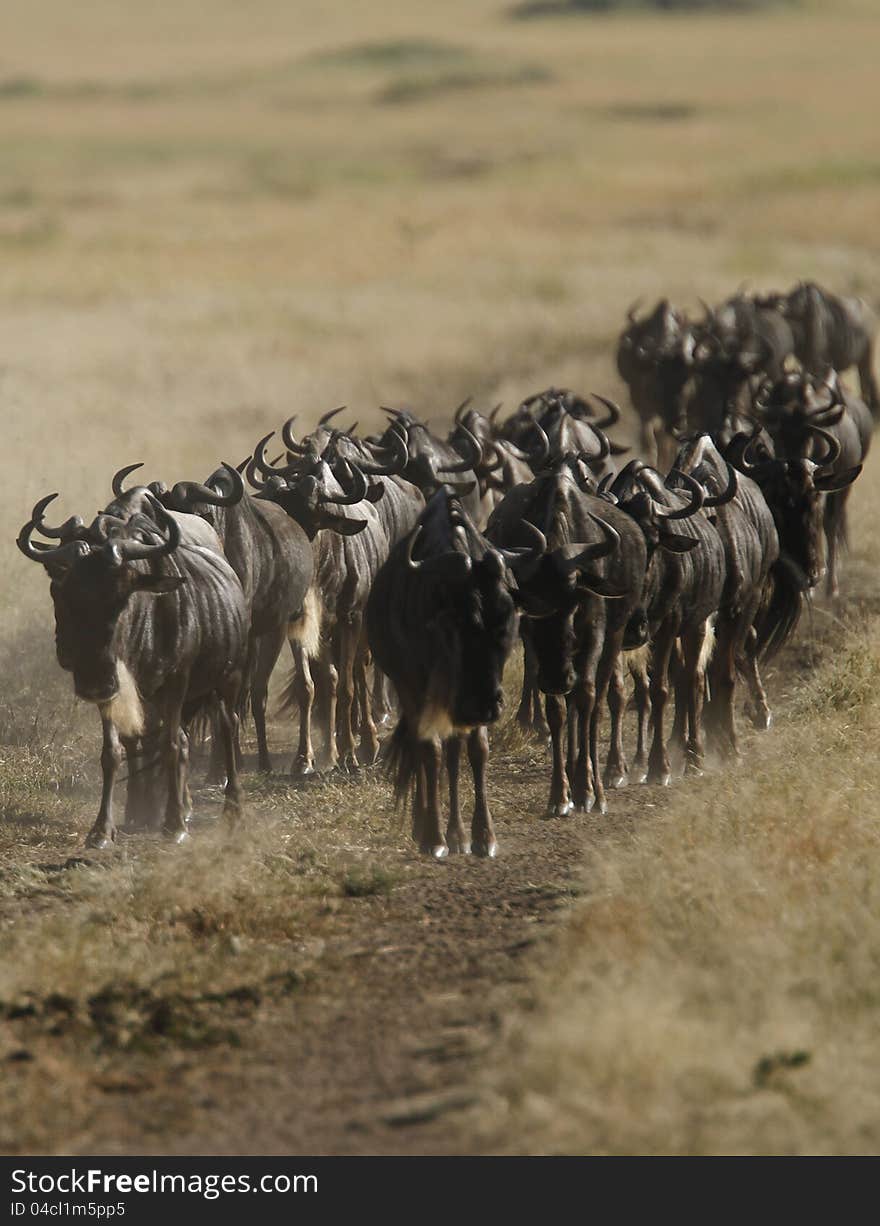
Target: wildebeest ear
{"x":158,"y":585}
{"x":837,"y":481}
{"x":375,"y":492}
{"x":674,"y":543}
{"x":599,"y":586}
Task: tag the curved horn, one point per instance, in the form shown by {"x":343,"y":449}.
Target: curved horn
{"x":399,"y":450}
{"x":833,"y":444}
{"x":193,"y":491}
{"x":119,"y":477}
{"x":60,"y":555}
{"x":322,"y":421}
{"x":708,"y":311}
{"x":461,"y":408}
{"x":613,"y":413}
{"x":357,"y":491}
{"x":467,"y":465}
{"x":530,"y":555}
{"x":537,"y":459}
{"x":260,"y":461}
{"x":632,"y":312}
{"x":573,"y":557}
{"x":494,"y":414}
{"x":71,"y":527}
{"x":130,"y":551}
{"x":729,"y":493}
{"x":697,"y":497}
{"x":289,"y":441}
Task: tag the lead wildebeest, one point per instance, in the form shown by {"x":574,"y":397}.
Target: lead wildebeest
{"x":832,"y":427}
{"x":441,"y":622}
{"x":273,"y":559}
{"x":683,"y":586}
{"x":654,"y":360}
{"x":836,"y":332}
{"x":151,"y":620}
{"x":576,"y":605}
{"x":557,"y":422}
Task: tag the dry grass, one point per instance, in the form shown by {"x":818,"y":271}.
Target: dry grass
{"x":715,"y":988}
{"x":214,"y":215}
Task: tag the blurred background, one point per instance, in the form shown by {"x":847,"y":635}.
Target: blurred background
{"x":215,"y":215}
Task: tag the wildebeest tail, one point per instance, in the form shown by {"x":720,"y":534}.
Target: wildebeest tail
{"x":306,"y":629}
{"x":401,"y":754}
{"x":780,"y":608}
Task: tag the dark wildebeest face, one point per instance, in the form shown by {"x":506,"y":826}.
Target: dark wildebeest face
{"x":89,"y":600}
{"x":549,"y":605}
{"x":485,"y":613}
{"x":93,"y":579}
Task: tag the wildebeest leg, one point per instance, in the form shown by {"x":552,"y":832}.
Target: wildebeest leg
{"x":173,"y":826}
{"x":140,"y":806}
{"x":483,"y":839}
{"x":615,"y":767}
{"x":268,"y":648}
{"x":559,"y":804}
{"x":348,"y":639}
{"x":679,"y":680}
{"x":455,"y":835}
{"x":103,"y":833}
{"x":637,"y":663}
{"x":433,"y":842}
{"x":693,"y":641}
{"x":327,"y":679}
{"x":369,"y":734}
{"x":419,"y":802}
{"x":184,"y":776}
{"x":571,"y":740}
{"x":605,"y":670}
{"x":835,"y":512}
{"x":530,"y":715}
{"x":303,"y":764}
{"x":215,"y":757}
{"x":381,"y":698}
{"x":759,"y":712}
{"x":658,"y":761}
{"x":232,"y":794}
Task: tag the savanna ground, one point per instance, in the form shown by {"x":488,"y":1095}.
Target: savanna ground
{"x":213,"y":215}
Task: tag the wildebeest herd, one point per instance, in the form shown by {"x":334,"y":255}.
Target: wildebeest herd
{"x":401,"y":568}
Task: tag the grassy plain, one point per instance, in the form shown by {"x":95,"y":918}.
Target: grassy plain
{"x":213,"y":215}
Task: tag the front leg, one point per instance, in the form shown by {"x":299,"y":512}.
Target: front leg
{"x":483,"y":838}
{"x":103,"y":833}
{"x":559,"y":804}
{"x":455,"y":835}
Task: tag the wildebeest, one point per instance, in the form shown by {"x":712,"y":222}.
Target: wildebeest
{"x":576,"y":605}
{"x":557,"y":422}
{"x":683,"y":587}
{"x":441,"y":622}
{"x":831,"y":426}
{"x":751,"y":549}
{"x":273,"y":559}
{"x":654,"y":361}
{"x":333,"y":508}
{"x":432,"y":462}
{"x":836,"y":332}
{"x":152,"y":621}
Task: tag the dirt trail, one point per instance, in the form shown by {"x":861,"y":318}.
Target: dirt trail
{"x":370,"y":1038}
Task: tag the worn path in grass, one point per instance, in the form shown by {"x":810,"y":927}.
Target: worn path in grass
{"x":340,"y":996}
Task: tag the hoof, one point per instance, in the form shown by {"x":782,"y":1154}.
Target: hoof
{"x":349,"y":765}
{"x":692,"y":771}
{"x":487,"y":851}
{"x":616,"y":780}
{"x":661,"y":778}
{"x":562,"y":809}
{"x":762,"y":720}
{"x":99,"y":840}
{"x":585,"y":805}
{"x":437,"y":851}
{"x":176,"y":836}
{"x":303,"y":770}
{"x":458,"y":847}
